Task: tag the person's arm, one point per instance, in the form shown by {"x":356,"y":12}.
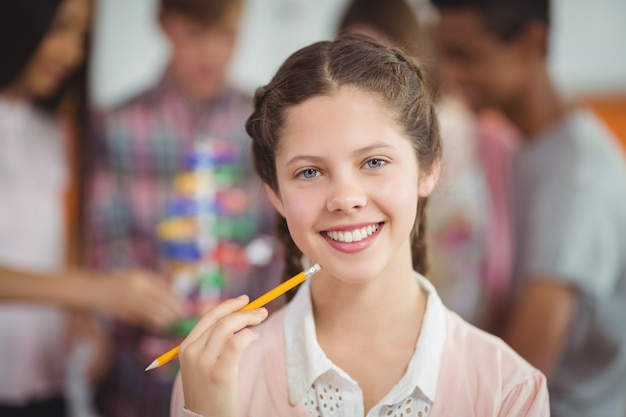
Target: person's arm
{"x":540,"y":322}
{"x":68,"y":289}
{"x":133,"y":296}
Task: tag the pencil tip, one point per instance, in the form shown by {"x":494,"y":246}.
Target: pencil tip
{"x":154,"y":364}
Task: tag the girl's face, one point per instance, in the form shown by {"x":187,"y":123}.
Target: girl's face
{"x":348,"y":185}
{"x":61,"y":50}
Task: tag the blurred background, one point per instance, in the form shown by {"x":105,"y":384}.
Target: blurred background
{"x":587,"y":61}
{"x":587,"y":57}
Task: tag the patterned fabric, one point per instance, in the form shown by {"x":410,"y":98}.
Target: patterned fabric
{"x":139,"y":150}
{"x":324,"y":399}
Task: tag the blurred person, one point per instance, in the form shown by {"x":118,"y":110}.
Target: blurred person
{"x":391,"y":22}
{"x":133,"y":296}
{"x":469,"y":258}
{"x":42,"y":44}
{"x":568,"y":190}
{"x":141,"y":145}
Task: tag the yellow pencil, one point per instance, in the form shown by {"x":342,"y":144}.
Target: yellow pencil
{"x":259,"y":302}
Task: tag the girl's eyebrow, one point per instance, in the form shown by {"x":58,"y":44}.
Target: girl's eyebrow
{"x":367,"y":149}
{"x":373,"y":147}
{"x":304,"y":158}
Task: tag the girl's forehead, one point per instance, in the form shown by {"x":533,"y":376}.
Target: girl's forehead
{"x":346,"y":119}
{"x":344,"y":94}
{"x":346,"y":104}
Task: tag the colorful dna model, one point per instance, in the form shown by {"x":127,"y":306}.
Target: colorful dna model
{"x":205,"y":228}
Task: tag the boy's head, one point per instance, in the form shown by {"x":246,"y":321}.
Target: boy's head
{"x":492,"y":48}
{"x":202,"y":35}
{"x":389,"y":21}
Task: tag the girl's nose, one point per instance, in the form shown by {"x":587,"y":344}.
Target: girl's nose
{"x":346,"y":196}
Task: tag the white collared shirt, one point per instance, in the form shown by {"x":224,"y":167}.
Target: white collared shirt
{"x":326,"y":390}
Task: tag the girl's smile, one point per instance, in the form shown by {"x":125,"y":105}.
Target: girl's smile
{"x":348,"y":185}
{"x":353,"y":238}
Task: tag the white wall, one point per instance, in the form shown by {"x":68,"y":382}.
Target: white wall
{"x":588,"y":55}
{"x":588,"y":46}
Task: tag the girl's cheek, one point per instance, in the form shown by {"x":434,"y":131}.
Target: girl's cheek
{"x":299,"y":206}
{"x":301,"y":209}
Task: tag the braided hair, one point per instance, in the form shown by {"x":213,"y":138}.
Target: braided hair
{"x":321,"y":69}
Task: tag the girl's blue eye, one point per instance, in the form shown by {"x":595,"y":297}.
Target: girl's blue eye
{"x":375,"y":163}
{"x":308,"y":174}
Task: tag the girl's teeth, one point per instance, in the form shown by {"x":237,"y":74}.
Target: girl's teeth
{"x":353,"y":236}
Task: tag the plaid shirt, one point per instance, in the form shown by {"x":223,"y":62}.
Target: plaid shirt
{"x":139,"y":150}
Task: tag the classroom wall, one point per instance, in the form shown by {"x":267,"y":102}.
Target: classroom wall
{"x":587,"y":56}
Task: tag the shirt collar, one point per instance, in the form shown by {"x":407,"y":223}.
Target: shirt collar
{"x":306,"y":361}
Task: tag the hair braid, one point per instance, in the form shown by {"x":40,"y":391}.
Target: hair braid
{"x":419,"y":248}
{"x":291,"y":253}
{"x":428,"y":152}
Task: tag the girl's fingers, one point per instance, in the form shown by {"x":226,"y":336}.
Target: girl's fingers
{"x":226,"y":367}
{"x":227,"y":329}
{"x":210,"y":318}
{"x":204,"y":351}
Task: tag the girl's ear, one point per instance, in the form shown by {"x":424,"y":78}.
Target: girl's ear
{"x":428,"y":181}
{"x":275,"y":199}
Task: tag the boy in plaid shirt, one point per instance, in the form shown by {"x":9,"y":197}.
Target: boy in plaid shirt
{"x":140,"y":146}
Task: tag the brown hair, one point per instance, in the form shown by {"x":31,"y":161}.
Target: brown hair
{"x":321,"y":69}
{"x":503,"y":18}
{"x":393,"y":19}
{"x":206,"y":11}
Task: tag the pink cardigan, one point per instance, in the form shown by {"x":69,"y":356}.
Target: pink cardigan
{"x":480,"y":376}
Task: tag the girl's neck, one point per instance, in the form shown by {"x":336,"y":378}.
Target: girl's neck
{"x":369,"y":330}
{"x":368,"y":311}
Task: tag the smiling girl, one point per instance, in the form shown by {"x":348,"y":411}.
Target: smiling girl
{"x":346,"y":140}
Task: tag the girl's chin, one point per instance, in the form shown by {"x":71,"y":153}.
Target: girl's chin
{"x":349,"y":276}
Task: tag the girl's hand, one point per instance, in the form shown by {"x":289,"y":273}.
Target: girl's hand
{"x":209,"y":357}
{"x":139,"y":297}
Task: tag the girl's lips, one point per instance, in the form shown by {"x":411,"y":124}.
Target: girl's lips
{"x":353,"y":238}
